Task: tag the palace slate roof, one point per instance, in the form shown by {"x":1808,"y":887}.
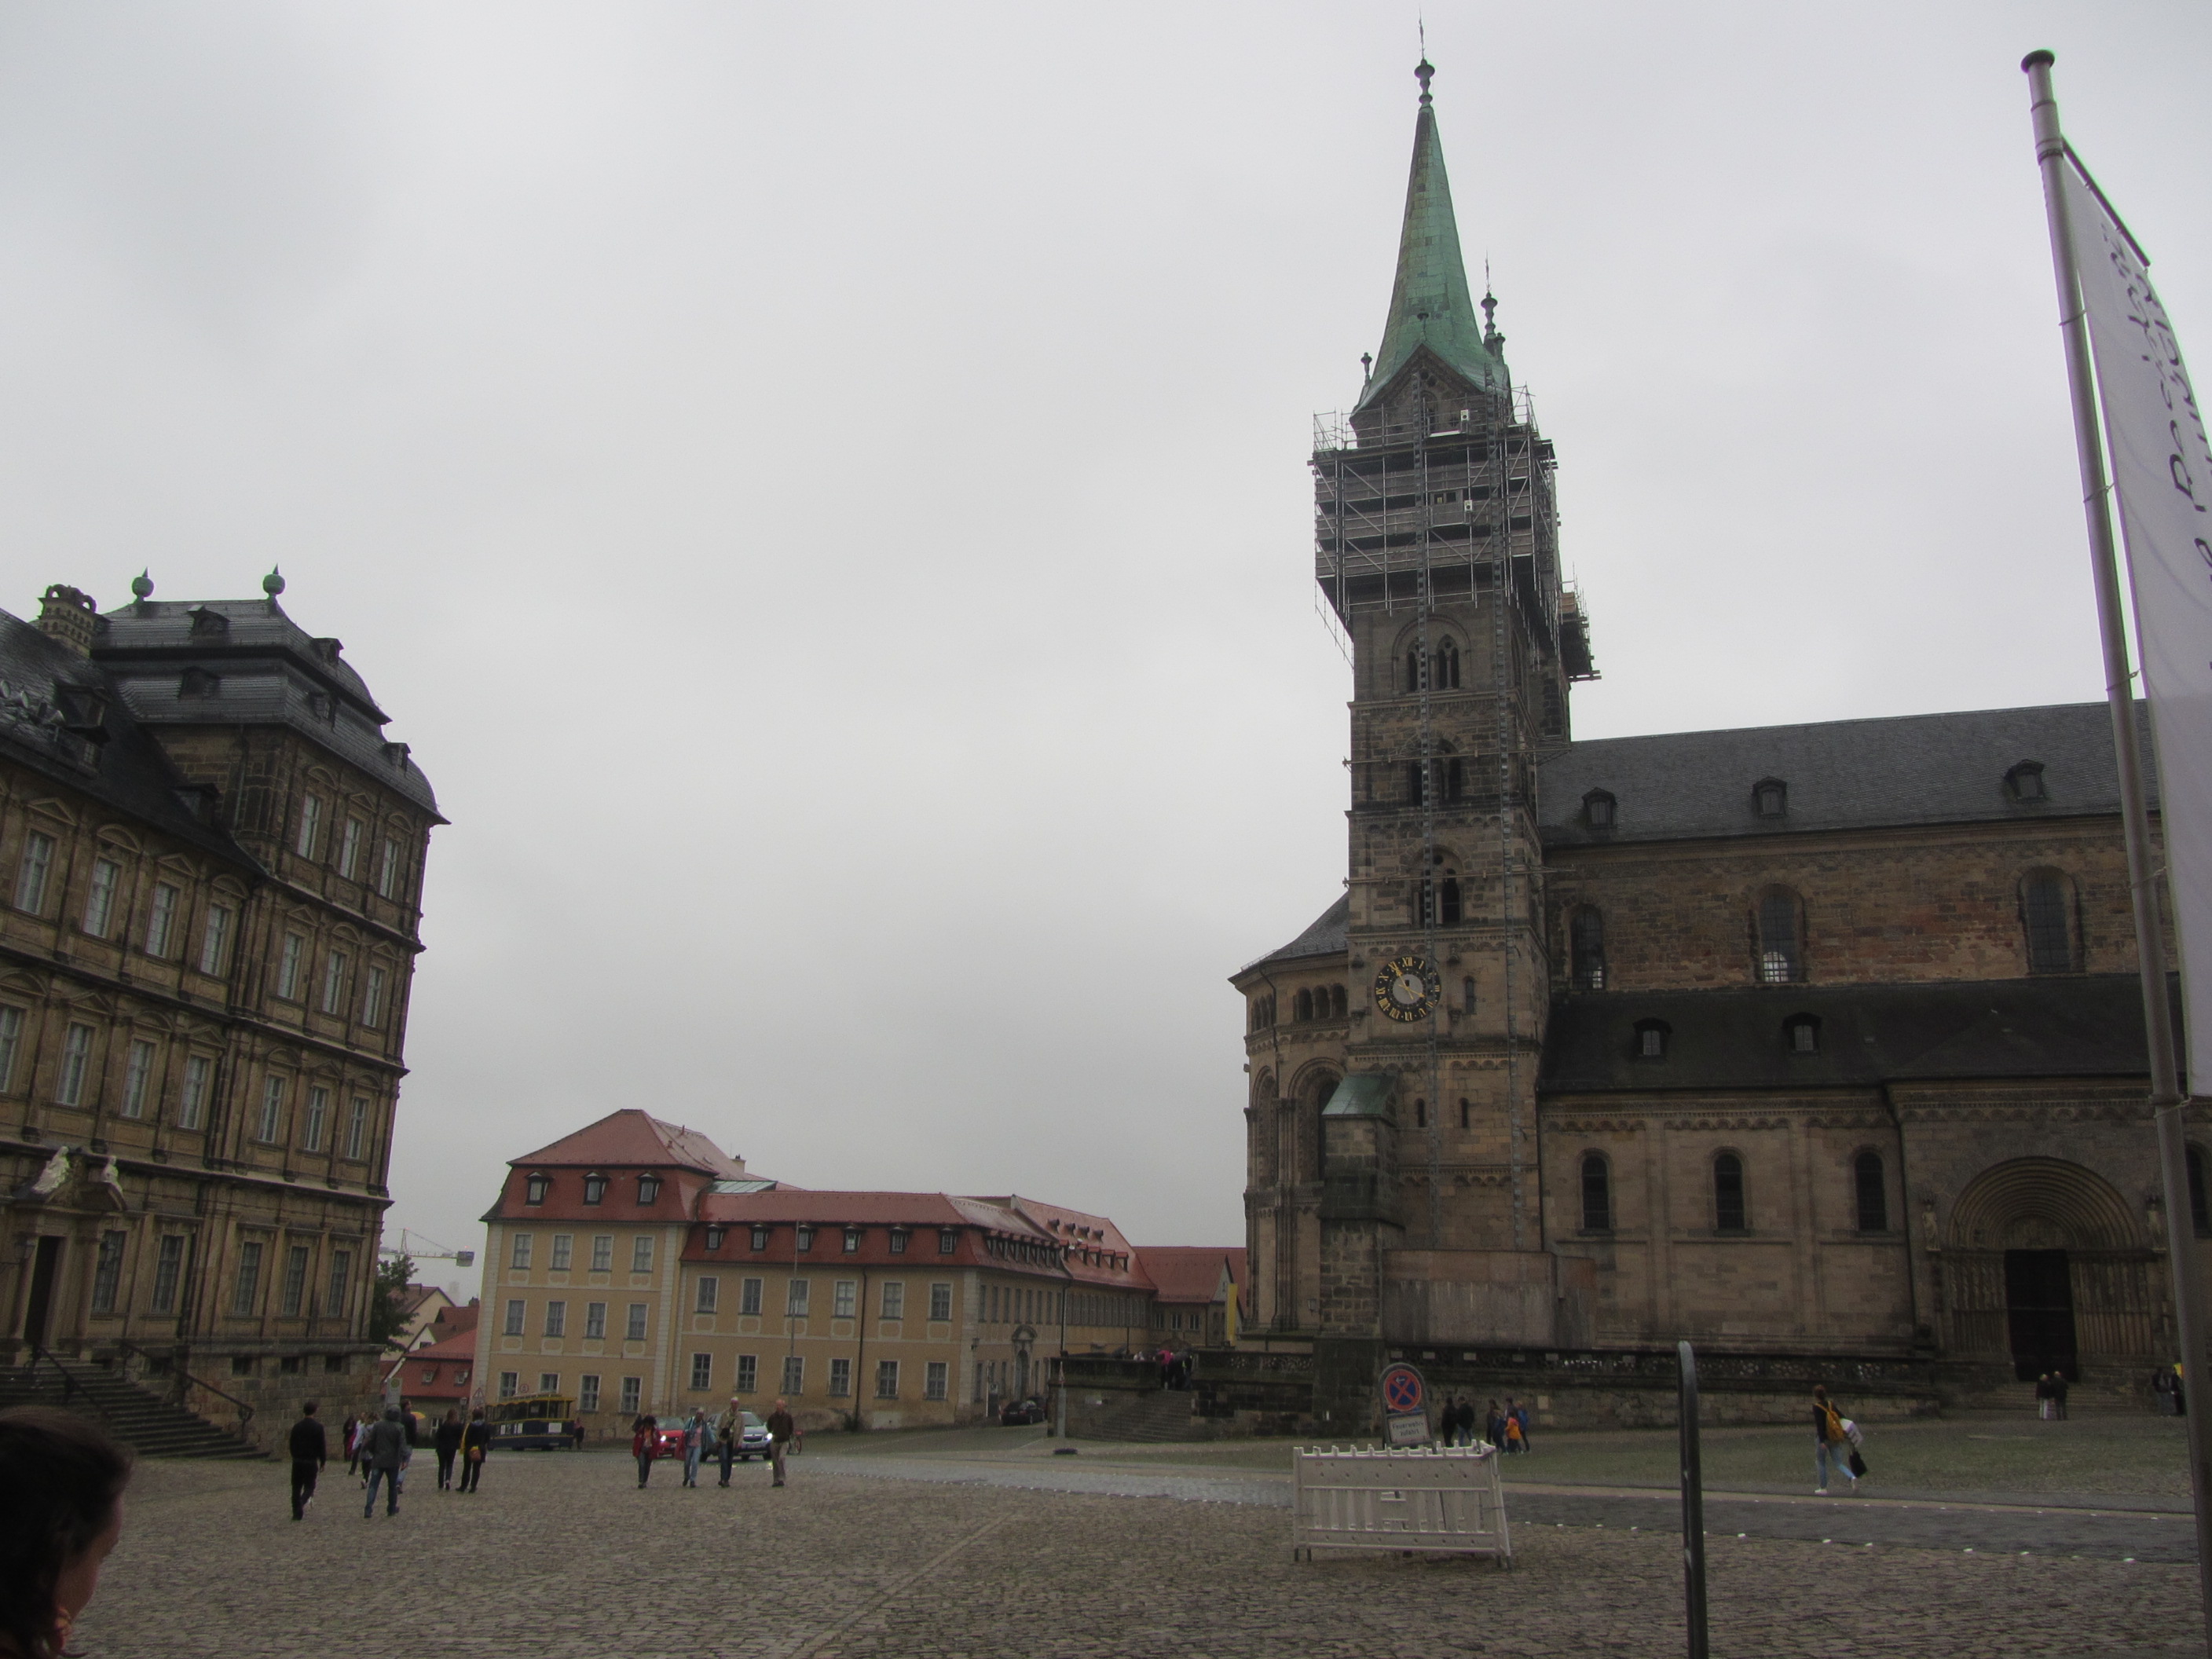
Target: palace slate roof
{"x":2075,"y":1025}
{"x":1839,"y":774}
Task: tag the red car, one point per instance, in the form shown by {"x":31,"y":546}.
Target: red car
{"x":668,"y":1441}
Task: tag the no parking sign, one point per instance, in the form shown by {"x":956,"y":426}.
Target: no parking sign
{"x":1405,"y":1406}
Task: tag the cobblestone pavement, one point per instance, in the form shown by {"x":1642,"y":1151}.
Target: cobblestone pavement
{"x":561,"y":1555}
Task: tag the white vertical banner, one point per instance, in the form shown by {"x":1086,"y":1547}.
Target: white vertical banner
{"x":2162,"y":472}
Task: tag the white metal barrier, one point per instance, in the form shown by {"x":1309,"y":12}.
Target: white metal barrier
{"x":1430,"y":1498}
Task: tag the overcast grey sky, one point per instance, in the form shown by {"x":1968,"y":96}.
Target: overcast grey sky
{"x":824,"y":489}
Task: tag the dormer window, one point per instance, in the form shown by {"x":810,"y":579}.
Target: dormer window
{"x":1770,"y":798}
{"x":595,"y":1189}
{"x":326,"y":651}
{"x":206,"y":622}
{"x":1651,"y":1038}
{"x":2025,"y":781}
{"x":535,"y":1188}
{"x":898,"y":1241}
{"x":199,"y":683}
{"x":760,"y":1238}
{"x":1802,"y":1034}
{"x":1597,"y":810}
{"x":806,"y":1238}
{"x":713,"y":1238}
{"x":648,"y":1188}
{"x":852,"y":1240}
{"x":947,"y":1241}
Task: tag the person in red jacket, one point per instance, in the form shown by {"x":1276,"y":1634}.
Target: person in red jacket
{"x":643,"y":1435}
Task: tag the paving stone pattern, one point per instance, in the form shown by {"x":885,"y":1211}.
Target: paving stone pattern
{"x":561,"y":1555}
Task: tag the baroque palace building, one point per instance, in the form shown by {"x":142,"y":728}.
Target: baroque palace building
{"x":1821,"y":1041}
{"x":211,"y":873}
{"x":635,"y":1267}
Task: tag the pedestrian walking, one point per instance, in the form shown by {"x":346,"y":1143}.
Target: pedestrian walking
{"x":311,"y":1449}
{"x":64,"y":1481}
{"x":1462,"y":1431}
{"x":2042,"y":1397}
{"x":1494,"y":1426}
{"x":448,"y":1442}
{"x":695,"y":1444}
{"x":383,"y":1453}
{"x":2058,"y":1395}
{"x":476,"y":1446}
{"x":729,"y":1429}
{"x":1519,"y":1413}
{"x":349,"y":1440}
{"x":781,"y":1431}
{"x":643,"y":1435}
{"x":1830,"y":1444}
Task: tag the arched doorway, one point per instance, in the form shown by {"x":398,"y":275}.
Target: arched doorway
{"x":2046,"y":1269}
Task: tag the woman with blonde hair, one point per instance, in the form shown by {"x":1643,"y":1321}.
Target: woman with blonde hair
{"x":1831,"y":1442}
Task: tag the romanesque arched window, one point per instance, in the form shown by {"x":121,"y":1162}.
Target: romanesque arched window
{"x":1447,"y":675}
{"x":1413,"y":669}
{"x":1781,"y":955}
{"x":1304,"y":1005}
{"x":1586,"y":948}
{"x":1730,"y":1214}
{"x":1336,"y":1004}
{"x":2047,"y":907}
{"x":1597,"y":1194}
{"x":1871,"y":1193}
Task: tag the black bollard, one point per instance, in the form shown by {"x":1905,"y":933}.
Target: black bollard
{"x":1693,"y":1504}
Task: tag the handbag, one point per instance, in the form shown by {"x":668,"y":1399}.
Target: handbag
{"x":1858,"y":1464}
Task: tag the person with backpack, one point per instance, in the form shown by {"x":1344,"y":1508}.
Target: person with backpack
{"x":1832,"y":1444}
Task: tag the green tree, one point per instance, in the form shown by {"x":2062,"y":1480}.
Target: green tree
{"x":385,"y":1316}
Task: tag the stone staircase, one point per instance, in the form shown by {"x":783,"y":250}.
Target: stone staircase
{"x":151,"y":1426}
{"x":1170,"y":1414}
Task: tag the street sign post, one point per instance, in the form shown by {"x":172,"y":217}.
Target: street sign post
{"x":1405,"y":1406}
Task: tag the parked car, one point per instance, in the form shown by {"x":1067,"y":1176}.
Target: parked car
{"x":668,"y":1441}
{"x":1021,"y":1410}
{"x":752,"y":1438}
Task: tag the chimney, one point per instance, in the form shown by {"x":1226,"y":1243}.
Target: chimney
{"x":69,"y":618}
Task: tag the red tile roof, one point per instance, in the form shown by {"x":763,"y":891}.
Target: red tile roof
{"x":639,"y":1140}
{"x":1188,"y":1273}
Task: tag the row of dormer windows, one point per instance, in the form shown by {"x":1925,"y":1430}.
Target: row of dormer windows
{"x":1769,"y":797}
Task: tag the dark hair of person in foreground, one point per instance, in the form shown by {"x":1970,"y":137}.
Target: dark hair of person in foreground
{"x":64,"y":1480}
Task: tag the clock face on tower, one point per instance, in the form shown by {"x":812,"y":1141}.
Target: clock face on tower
{"x":1405,"y":988}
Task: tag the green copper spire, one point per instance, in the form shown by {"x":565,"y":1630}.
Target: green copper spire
{"x":1430,"y":304}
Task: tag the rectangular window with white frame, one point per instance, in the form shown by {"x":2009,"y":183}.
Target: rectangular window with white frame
{"x":510,"y":1385}
{"x":702,"y":1371}
{"x":214,"y":939}
{"x":334,"y":981}
{"x":795,"y":1297}
{"x":635,"y":1330}
{"x":710,"y":1293}
{"x":549,"y":1382}
{"x":318,"y":1119}
{"x":372,"y":998}
{"x":587,"y":1392}
{"x":245,"y":1289}
{"x":357,"y":1130}
{"x":519,"y":1248}
{"x":100,"y":897}
{"x":271,"y":1126}
{"x":640,"y":1254}
{"x":841,"y":1379}
{"x":168,"y":1272}
{"x":76,"y":1063}
{"x":894,"y":1299}
{"x":603,"y":1253}
{"x":192,"y":1095}
{"x":564,"y":1251}
{"x":748,"y":1374}
{"x":296,"y":1281}
{"x":518,"y":1315}
{"x":940,"y":1301}
{"x":887,"y":1379}
{"x":11,"y":1044}
{"x":137,"y":1079}
{"x":311,"y":826}
{"x":349,"y":848}
{"x":595,"y":1321}
{"x":341,"y":1283}
{"x":936,"y":1379}
{"x":794,"y":1374}
{"x":288,"y":961}
{"x":33,"y":871}
{"x":843,"y":1298}
{"x":387,"y":869}
{"x":162,"y":918}
{"x":556,"y":1319}
{"x":749,"y":1296}
{"x":632,"y":1395}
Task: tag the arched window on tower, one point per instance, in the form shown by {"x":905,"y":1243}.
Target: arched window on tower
{"x":1447,"y":900}
{"x":1416,"y":783}
{"x":1420,"y":1114}
{"x":1467,"y":1000}
{"x":1597,"y":1194}
{"x":1781,"y":954}
{"x":1413,"y":670}
{"x":1586,"y":948}
{"x":1454,"y":778}
{"x":2047,"y":904}
{"x":1872,"y":1193}
{"x":1729,"y":1214}
{"x":1466,"y":1111}
{"x":1336,"y":1002}
{"x":1447,"y":666}
{"x":1437,"y":899}
{"x":1305,"y":1004}
{"x":2200,"y":1216}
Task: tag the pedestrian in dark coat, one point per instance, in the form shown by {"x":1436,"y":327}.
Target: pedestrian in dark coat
{"x":349,"y":1440}
{"x":448,"y":1441}
{"x":311,"y":1450}
{"x":384,"y":1449}
{"x":476,"y":1446}
{"x":2058,"y":1395}
{"x":782,"y":1432}
{"x":644,"y":1438}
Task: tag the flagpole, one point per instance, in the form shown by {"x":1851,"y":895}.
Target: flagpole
{"x":2166,"y":1097}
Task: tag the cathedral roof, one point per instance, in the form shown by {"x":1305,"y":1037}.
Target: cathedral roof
{"x":1837,"y":774}
{"x":2073,"y":1025}
{"x":1430,"y":304}
{"x":1324,"y":937}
